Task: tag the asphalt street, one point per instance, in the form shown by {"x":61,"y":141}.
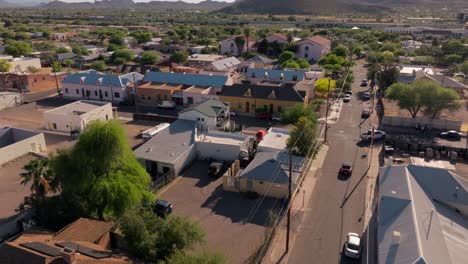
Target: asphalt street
{"x":338,"y":203}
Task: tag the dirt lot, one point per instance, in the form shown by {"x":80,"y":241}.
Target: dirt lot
{"x":12,"y":192}
{"x":232,"y":223}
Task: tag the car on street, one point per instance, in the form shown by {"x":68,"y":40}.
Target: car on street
{"x":167,"y":105}
{"x":378,"y":134}
{"x":352,"y":247}
{"x":366,"y":96}
{"x":162,"y":208}
{"x":277,"y":118}
{"x":263,"y":116}
{"x":347,"y":98}
{"x":451,"y":135}
{"x":364,"y":83}
{"x":346,"y":168}
{"x":214,"y":169}
{"x":350,"y":92}
{"x":365,"y":113}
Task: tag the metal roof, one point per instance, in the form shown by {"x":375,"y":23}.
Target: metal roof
{"x":186,"y":79}
{"x":170,"y":143}
{"x":96,"y":78}
{"x":225,"y":64}
{"x":279,"y":92}
{"x":288,"y":75}
{"x":210,"y":107}
{"x":417,"y":220}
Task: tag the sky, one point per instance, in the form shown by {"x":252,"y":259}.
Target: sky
{"x":189,"y":1}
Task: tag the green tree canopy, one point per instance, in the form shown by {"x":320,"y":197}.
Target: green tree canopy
{"x":303,"y":137}
{"x":303,"y":63}
{"x":69,"y":62}
{"x":98,"y":65}
{"x":291,"y":115}
{"x":179,"y":57}
{"x":142,"y":36}
{"x":62,"y":50}
{"x":286,"y":56}
{"x":102,"y":172}
{"x":122,"y":56}
{"x":5,"y":66}
{"x":153,"y":239}
{"x":149,"y":57}
{"x":321,"y":86}
{"x":464,"y":67}
{"x":56,"y":66}
{"x":18,"y":48}
{"x":80,"y":50}
{"x":341,"y":51}
{"x":290,"y":64}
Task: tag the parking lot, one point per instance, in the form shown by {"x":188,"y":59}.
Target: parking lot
{"x":234,"y":224}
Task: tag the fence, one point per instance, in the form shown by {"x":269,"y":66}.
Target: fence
{"x":441,"y":124}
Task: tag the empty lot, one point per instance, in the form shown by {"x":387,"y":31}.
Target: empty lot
{"x":233,"y":224}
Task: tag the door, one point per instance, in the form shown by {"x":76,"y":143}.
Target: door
{"x":271,"y":108}
{"x":82,"y":92}
{"x":100,"y":95}
{"x":247,"y":107}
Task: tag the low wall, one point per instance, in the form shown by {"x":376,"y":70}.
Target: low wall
{"x":441,"y":124}
{"x":154,"y":118}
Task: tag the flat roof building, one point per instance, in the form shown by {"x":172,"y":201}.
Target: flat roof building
{"x":16,"y":142}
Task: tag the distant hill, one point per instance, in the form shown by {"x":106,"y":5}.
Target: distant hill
{"x":4,"y":4}
{"x":205,"y":5}
{"x":330,"y":6}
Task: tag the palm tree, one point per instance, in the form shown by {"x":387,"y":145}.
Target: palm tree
{"x":247,"y":34}
{"x":37,"y":173}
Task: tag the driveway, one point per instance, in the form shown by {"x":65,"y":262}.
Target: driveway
{"x":338,"y":203}
{"x":233,"y":223}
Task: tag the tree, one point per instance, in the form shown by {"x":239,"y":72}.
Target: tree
{"x":407,"y":96}
{"x":108,"y":182}
{"x":179,"y":57}
{"x":32,"y":69}
{"x":263,"y":46}
{"x":142,"y":36}
{"x":303,"y":63}
{"x":240,"y":43}
{"x":56,"y":66}
{"x":117,"y":40}
{"x":464,"y":67}
{"x":321,"y":86}
{"x":290,"y":64}
{"x":248,"y":55}
{"x":341,"y":51}
{"x":69,"y":62}
{"x":151,"y":238}
{"x":357,"y":50}
{"x":286,"y":56}
{"x":436,"y":98}
{"x":18,"y":48}
{"x":37,"y":173}
{"x":80,"y":50}
{"x":122,"y":56}
{"x":200,"y":258}
{"x":149,"y":57}
{"x":303,"y":137}
{"x":247,"y":34}
{"x":291,"y":115}
{"x":98,"y":65}
{"x":5,"y":66}
{"x":62,"y":50}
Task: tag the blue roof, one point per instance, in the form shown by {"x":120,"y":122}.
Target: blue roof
{"x":275,"y":74}
{"x":92,"y":77}
{"x":186,"y":79}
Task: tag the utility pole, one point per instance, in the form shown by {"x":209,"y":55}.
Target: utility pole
{"x":371,"y":147}
{"x":328,"y":107}
{"x":289,"y":202}
{"x":136,"y":94}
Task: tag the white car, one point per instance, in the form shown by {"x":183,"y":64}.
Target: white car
{"x":276,"y":118}
{"x":347,"y":98}
{"x":352,"y":248}
{"x":167,"y":105}
{"x":378,"y":134}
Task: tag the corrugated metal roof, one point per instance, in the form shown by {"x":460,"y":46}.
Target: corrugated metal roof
{"x":186,"y":79}
{"x":210,"y":107}
{"x":96,"y":78}
{"x":225,"y":64}
{"x":276,"y":75}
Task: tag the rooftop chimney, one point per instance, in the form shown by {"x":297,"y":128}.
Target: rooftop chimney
{"x":69,"y":255}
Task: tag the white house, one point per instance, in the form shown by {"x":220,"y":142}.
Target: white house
{"x":279,"y":38}
{"x":223,"y":146}
{"x":313,"y":48}
{"x":77,"y":115}
{"x":93,"y":85}
{"x":230,"y":46}
{"x":198,"y":94}
{"x":275,"y":140}
{"x":16,"y":142}
{"x":208,"y":114}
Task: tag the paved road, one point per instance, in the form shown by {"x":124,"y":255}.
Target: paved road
{"x":337,"y":205}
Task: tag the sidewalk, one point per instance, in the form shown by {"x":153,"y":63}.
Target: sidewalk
{"x":275,"y":253}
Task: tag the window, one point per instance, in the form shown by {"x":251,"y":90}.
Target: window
{"x":142,"y":97}
{"x":66,"y":90}
{"x":95,"y":93}
{"x":54,"y":125}
{"x":198,"y":119}
{"x":189,"y":100}
{"x":117,"y":95}
{"x":306,"y":55}
{"x":105,"y":94}
{"x":107,"y":117}
{"x":203,"y":119}
{"x":77,"y":91}
{"x":307,"y":48}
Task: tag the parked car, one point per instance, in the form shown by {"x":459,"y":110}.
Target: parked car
{"x":451,"y":134}
{"x":162,"y":208}
{"x":214,"y":169}
{"x":347,"y":98}
{"x":277,"y":118}
{"x":167,"y":105}
{"x":364,"y":83}
{"x":263,"y":116}
{"x":346,"y":168}
{"x":350,"y":92}
{"x":378,"y":134}
{"x":365,"y":113}
{"x":352,"y":248}
{"x":366,"y":96}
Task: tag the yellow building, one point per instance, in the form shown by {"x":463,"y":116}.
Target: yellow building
{"x":269,"y":98}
